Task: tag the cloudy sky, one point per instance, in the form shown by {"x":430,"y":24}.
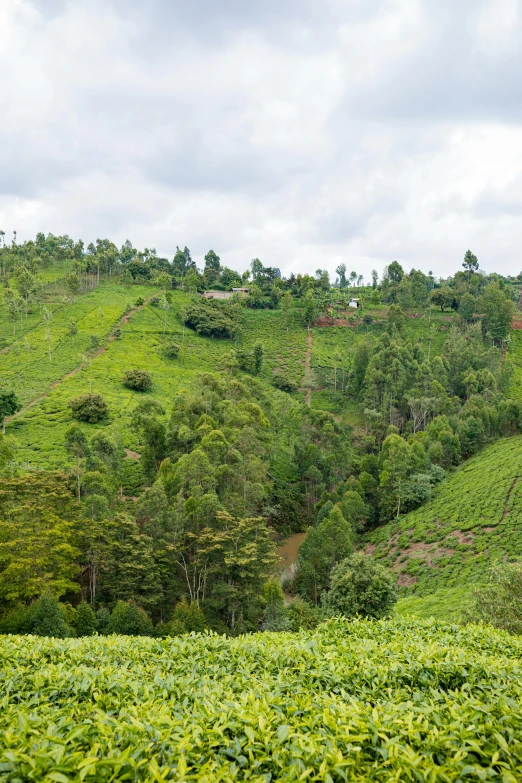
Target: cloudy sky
{"x":303,"y":132}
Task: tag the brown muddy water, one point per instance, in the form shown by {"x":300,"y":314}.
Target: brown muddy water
{"x":288,"y":550}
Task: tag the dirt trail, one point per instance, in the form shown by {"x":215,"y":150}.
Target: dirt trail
{"x":308,"y":368}
{"x":123,"y":320}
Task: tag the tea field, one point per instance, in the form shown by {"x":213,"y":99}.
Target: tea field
{"x":474,"y":518}
{"x":395,"y":700}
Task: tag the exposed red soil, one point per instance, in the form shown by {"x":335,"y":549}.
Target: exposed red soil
{"x":132,"y":454}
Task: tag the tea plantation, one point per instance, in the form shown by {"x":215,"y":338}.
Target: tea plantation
{"x":352,"y":701}
{"x":474,"y":518}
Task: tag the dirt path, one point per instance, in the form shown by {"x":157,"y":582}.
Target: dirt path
{"x":122,"y":320}
{"x":307,"y":383}
{"x":512,"y":487}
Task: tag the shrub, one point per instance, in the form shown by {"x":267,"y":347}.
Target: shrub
{"x":359,"y":585}
{"x":284,"y":382}
{"x":186,"y":618}
{"x":302,"y":615}
{"x":85,"y":622}
{"x":275,"y":613}
{"x":139,"y":380}
{"x":212,"y":318}
{"x":171,"y":350}
{"x":500,"y":601}
{"x":140,"y":301}
{"x":95,"y":342}
{"x":129,"y":619}
{"x":46,"y":618}
{"x":88,"y":407}
{"x":154,"y":302}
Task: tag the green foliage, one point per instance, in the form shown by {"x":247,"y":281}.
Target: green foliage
{"x":140,"y":301}
{"x":360,"y":586}
{"x":500,"y":601}
{"x":89,"y":407}
{"x":275,"y":618}
{"x":46,"y":618}
{"x":171,"y":349}
{"x":130,"y":620}
{"x":347,"y":680}
{"x":283,"y":382}
{"x":213,"y":318}
{"x":186,"y":618}
{"x":139,"y":380}
{"x":85,"y":622}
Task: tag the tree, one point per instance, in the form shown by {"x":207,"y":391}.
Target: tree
{"x":498,"y":311}
{"x":324,"y":546}
{"x":396,"y":316}
{"x":164,"y":280}
{"x":310,"y":308}
{"x":39,"y":537}
{"x":341,"y":271}
{"x":212,"y":261}
{"x":467,"y":307}
{"x":186,"y":618}
{"x":9,"y":405}
{"x":88,"y":407}
{"x":129,"y":619}
{"x":499,"y":602}
{"x":470,"y":263}
{"x":375,"y":278}
{"x":138,"y":380}
{"x":275,"y":618}
{"x":165,"y":306}
{"x":72,"y":284}
{"x":47,"y":316}
{"x":360,"y":586}
{"x":77,"y":446}
{"x":241,"y":556}
{"x":85,"y":622}
{"x":46,"y":618}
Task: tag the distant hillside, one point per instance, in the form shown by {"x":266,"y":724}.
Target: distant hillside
{"x":474,"y":518}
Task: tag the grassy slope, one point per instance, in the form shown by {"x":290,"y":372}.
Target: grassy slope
{"x":357,"y":701}
{"x":474,"y":518}
{"x":25,"y":366}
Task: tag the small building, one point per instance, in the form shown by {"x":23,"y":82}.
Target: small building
{"x":242,"y":291}
{"x":353,"y":303}
{"x":217,"y":294}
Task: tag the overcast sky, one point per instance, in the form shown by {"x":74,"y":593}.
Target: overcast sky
{"x":302,"y":132}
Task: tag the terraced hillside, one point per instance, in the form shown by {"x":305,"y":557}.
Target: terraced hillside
{"x":474,"y":518}
{"x":352,"y":701}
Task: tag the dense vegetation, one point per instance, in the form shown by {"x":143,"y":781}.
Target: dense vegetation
{"x":194,"y":433}
{"x":355,"y":701}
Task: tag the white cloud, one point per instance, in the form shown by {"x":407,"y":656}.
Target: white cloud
{"x":301,"y":133}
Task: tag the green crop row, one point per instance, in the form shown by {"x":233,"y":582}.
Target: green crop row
{"x":474,"y":518}
{"x":388,"y":701}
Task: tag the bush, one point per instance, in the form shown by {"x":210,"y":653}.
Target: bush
{"x":359,"y":585}
{"x":129,"y":619}
{"x":85,"y":622}
{"x":95,"y":342}
{"x":500,"y":601}
{"x":139,"y":380}
{"x":140,"y":301}
{"x":186,"y":618}
{"x":171,"y":350}
{"x":154,"y":302}
{"x":213,"y":318}
{"x":46,"y":618}
{"x":88,"y":407}
{"x":284,"y":382}
{"x":302,"y":615}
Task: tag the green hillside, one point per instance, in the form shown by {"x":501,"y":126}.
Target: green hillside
{"x":392,"y":700}
{"x":474,"y":518}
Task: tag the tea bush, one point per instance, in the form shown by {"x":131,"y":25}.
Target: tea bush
{"x":391,"y":700}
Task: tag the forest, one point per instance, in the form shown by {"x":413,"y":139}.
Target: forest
{"x":159,"y":445}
